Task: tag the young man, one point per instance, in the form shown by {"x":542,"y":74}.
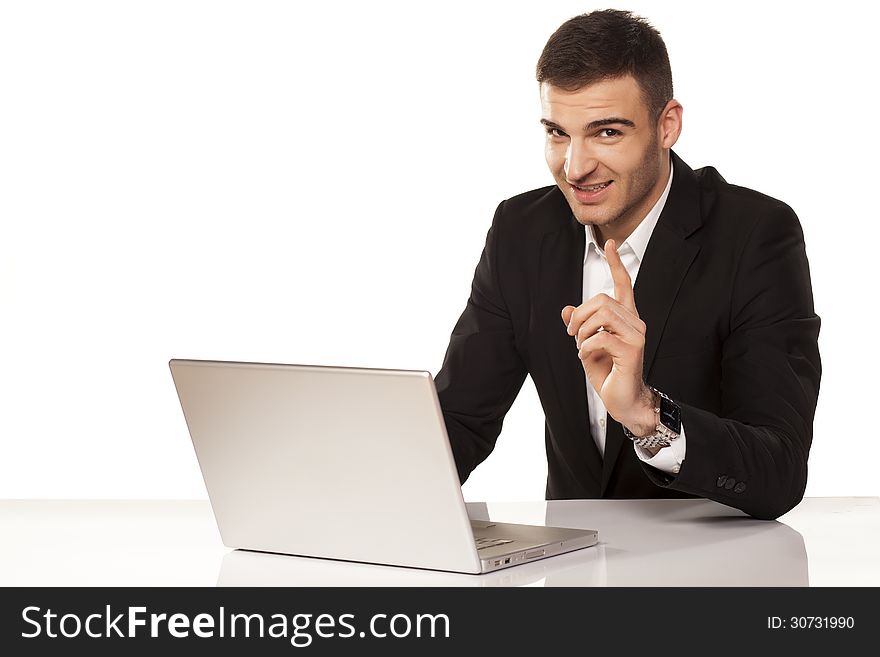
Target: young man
{"x":665,"y":316}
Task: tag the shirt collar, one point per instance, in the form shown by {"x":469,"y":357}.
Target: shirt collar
{"x":638,"y":240}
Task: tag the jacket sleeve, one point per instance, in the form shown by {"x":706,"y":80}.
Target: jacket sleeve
{"x":753,"y":454}
{"x":482,"y":372}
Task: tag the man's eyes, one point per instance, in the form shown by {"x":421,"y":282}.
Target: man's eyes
{"x":606,"y":133}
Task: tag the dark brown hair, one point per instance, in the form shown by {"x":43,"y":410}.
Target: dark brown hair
{"x":604,"y":45}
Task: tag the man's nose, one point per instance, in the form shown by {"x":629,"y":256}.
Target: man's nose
{"x":580,"y":161}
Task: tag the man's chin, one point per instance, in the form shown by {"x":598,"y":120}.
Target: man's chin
{"x":587,"y":214}
{"x":590,"y":218}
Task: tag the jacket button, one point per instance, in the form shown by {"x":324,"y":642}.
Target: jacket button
{"x":730,"y":483}
{"x":739,"y":488}
{"x":721,"y":481}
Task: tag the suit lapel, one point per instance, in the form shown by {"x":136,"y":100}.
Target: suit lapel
{"x":561,"y":284}
{"x":667,"y":259}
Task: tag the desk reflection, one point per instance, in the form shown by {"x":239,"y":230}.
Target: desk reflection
{"x":689,"y":543}
{"x":642,"y":543}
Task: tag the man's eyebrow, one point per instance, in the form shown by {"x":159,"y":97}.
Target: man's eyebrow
{"x":550,"y":124}
{"x":592,"y":125}
{"x":612,"y":120}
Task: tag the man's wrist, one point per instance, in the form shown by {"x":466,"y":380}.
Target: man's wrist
{"x":644,"y":418}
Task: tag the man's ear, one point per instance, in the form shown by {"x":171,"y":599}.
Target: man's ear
{"x":669,"y":123}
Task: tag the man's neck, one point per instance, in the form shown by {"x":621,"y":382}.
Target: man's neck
{"x":616,"y":232}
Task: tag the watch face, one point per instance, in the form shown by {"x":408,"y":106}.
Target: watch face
{"x":670,"y":414}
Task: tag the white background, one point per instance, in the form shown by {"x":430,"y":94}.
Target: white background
{"x":313,"y":183}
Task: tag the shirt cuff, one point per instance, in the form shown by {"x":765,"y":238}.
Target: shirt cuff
{"x":668,"y":459}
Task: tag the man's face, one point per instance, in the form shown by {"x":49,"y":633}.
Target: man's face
{"x":606,"y":153}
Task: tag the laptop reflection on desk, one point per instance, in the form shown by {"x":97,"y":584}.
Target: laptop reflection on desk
{"x":342,"y":463}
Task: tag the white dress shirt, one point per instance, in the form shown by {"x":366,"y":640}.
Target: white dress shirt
{"x":597,"y":279}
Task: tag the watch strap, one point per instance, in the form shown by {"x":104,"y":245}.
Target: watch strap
{"x":668,"y":426}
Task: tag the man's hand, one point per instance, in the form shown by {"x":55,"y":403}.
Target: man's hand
{"x":610,"y":338}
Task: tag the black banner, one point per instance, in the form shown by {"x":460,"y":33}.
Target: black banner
{"x":433,"y":621}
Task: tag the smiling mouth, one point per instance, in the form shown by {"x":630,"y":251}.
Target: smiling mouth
{"x":593,"y":188}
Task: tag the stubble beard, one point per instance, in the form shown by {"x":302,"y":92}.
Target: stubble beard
{"x":641,"y":181}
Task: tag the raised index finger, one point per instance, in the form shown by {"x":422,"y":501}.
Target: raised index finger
{"x":623,"y":291}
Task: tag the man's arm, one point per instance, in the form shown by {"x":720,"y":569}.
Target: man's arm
{"x":753,"y":455}
{"x":482,"y":372}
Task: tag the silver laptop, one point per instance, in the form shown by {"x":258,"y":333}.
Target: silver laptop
{"x":342,"y":463}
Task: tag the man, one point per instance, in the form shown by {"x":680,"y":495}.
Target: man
{"x":699,"y":380}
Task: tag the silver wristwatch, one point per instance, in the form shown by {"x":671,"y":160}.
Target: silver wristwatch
{"x":668,"y":424}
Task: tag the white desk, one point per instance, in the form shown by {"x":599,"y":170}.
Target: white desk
{"x":823,"y":542}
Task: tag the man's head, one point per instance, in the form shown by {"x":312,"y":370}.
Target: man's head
{"x":606,"y":100}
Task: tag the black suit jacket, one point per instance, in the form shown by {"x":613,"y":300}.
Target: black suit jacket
{"x":724,"y":289}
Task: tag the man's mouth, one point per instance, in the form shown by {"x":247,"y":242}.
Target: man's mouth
{"x":590,"y":194}
{"x":593,"y":188}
